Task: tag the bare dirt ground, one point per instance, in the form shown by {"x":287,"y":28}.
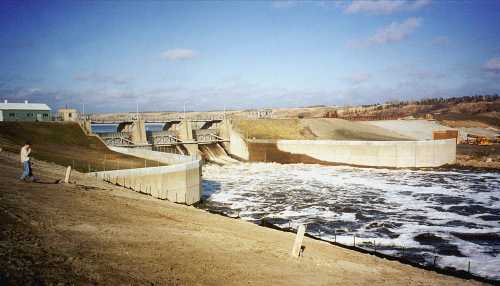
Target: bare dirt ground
{"x":90,"y":232}
{"x":479,"y":156}
{"x":313,"y":128}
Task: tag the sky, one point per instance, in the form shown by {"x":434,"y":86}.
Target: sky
{"x":206,"y":55}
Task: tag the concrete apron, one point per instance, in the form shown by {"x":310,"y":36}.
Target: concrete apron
{"x":180,"y":182}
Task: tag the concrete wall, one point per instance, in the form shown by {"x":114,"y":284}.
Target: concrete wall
{"x":180,"y":182}
{"x":394,"y":154}
{"x":166,"y":158}
{"x":398,"y":154}
{"x":237,"y":145}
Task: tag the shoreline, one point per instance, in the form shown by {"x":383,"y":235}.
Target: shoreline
{"x":449,"y":271}
{"x":110,"y":235}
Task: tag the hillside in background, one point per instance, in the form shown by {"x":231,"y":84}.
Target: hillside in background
{"x":468,"y":111}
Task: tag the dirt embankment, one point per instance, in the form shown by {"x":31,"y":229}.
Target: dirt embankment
{"x":66,"y":144}
{"x":475,"y":156}
{"x":312,"y":129}
{"x":89,"y":232}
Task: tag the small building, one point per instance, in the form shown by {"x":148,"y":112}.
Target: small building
{"x":261,"y":113}
{"x":24,"y":111}
{"x":68,"y":114}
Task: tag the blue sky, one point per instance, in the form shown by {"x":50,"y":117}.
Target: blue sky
{"x":210,"y":55}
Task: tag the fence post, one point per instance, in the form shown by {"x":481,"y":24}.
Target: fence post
{"x":297,"y":245}
{"x":68,"y":173}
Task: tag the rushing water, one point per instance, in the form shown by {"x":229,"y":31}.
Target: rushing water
{"x":453,"y":215}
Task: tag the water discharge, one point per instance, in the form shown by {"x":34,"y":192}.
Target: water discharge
{"x":452,"y":216}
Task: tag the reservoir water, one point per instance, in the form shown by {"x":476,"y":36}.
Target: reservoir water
{"x":450,"y":215}
{"x":103,"y":128}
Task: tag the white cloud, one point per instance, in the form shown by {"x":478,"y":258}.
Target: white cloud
{"x":101,"y":78}
{"x":492,"y":66}
{"x":392,"y":33}
{"x":178,"y":54}
{"x":384,"y":6}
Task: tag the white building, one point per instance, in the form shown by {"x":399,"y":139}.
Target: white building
{"x":24,"y":111}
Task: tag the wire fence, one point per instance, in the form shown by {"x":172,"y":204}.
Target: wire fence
{"x":425,"y":258}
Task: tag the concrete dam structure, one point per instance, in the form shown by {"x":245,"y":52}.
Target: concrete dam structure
{"x":178,"y":135}
{"x":296,"y":141}
{"x":390,"y":153}
{"x":179,"y":182}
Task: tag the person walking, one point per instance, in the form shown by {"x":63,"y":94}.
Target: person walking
{"x":26,"y":160}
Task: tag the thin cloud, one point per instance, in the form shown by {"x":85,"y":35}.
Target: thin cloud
{"x":384,"y":6}
{"x":492,"y":66}
{"x":425,"y":74}
{"x":395,"y":32}
{"x":178,"y":54}
{"x":99,"y":78}
{"x":358,"y":78}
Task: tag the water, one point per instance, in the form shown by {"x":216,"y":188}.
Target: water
{"x":451,"y":214}
{"x":104,"y":128}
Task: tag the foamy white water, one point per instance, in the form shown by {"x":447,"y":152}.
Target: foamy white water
{"x":454,"y":215}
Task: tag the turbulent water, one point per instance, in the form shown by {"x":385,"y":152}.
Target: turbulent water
{"x":452,"y":217}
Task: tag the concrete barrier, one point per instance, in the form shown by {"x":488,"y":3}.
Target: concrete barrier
{"x":179,"y":182}
{"x":147,"y":153}
{"x":396,"y":154}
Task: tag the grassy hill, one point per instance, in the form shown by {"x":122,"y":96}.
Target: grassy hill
{"x":65,"y":144}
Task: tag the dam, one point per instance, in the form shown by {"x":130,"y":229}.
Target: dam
{"x":371,"y":146}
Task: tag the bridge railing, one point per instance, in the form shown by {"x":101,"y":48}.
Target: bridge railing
{"x":150,"y":118}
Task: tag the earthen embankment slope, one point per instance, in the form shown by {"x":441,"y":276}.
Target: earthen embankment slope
{"x":65,"y":143}
{"x":95,"y":233}
{"x":313,"y":129}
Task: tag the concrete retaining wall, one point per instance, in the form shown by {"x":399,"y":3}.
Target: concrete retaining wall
{"x":396,"y":154}
{"x":145,"y":153}
{"x":180,"y":182}
{"x":238,"y":146}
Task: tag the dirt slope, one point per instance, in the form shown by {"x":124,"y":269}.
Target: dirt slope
{"x":94,"y":233}
{"x":65,"y":144}
{"x":313,"y":128}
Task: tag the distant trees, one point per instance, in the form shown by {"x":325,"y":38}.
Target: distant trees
{"x":441,"y":100}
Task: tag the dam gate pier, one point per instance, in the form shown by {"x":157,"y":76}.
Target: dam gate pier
{"x":181,"y":136}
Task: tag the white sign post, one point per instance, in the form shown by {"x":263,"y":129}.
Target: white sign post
{"x":68,"y":173}
{"x":297,"y":245}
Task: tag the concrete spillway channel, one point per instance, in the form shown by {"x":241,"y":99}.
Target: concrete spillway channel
{"x":179,"y":182}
